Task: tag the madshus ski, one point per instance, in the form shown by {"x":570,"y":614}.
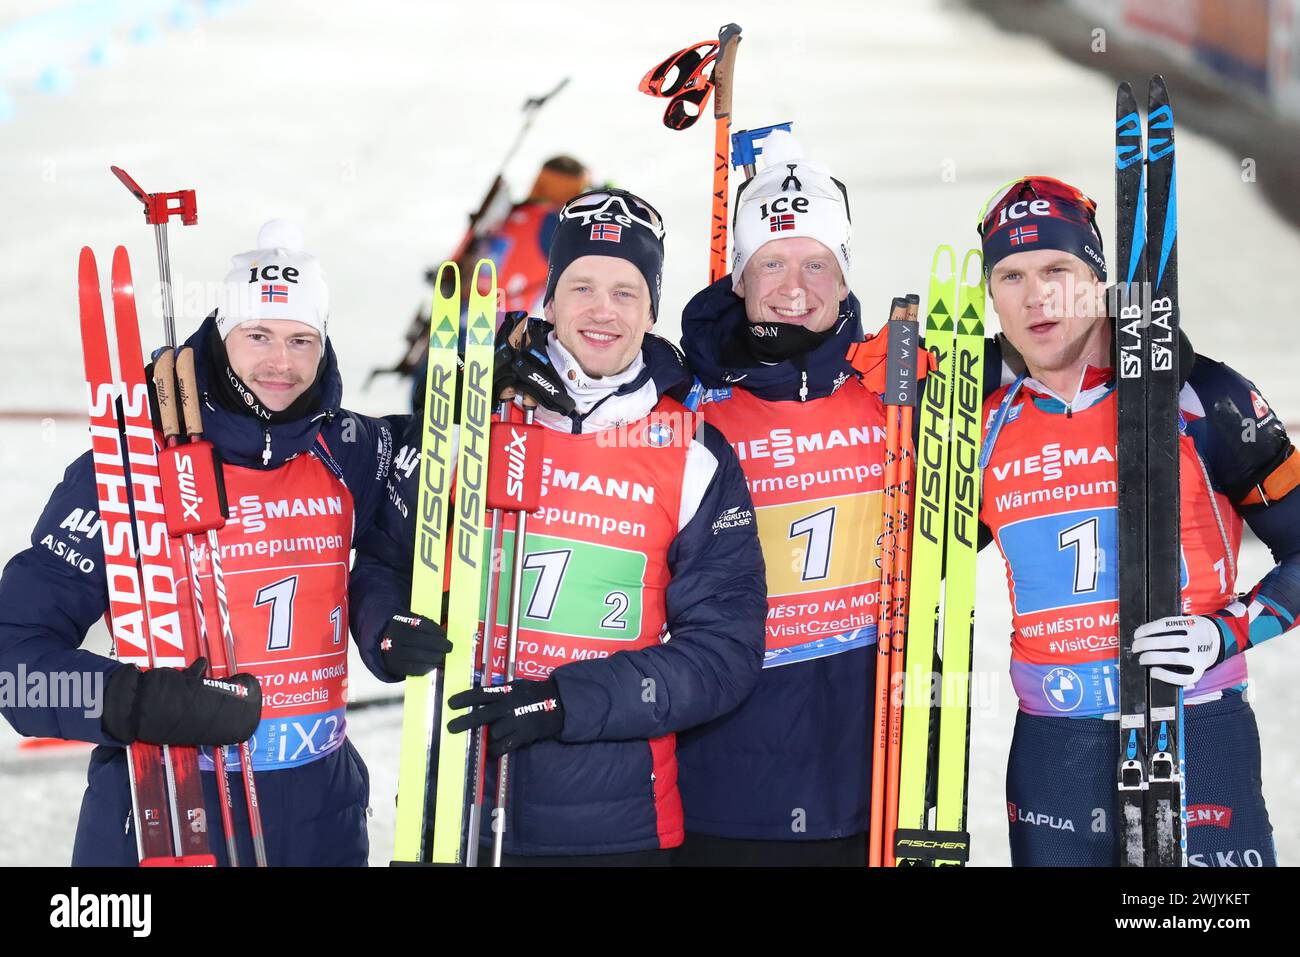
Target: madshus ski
{"x":1150,"y":774}
{"x":168,"y":812}
{"x":150,"y":498}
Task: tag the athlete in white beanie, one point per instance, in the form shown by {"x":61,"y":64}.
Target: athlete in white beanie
{"x":768,"y":350}
{"x":272,"y":320}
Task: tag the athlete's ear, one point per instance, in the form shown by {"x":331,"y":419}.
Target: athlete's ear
{"x":548,"y":311}
{"x":740,"y":286}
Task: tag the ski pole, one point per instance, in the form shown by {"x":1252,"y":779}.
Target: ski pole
{"x":903,"y":394}
{"x":158,"y":209}
{"x":695,"y":72}
{"x":884,"y":609}
{"x":187,"y":387}
{"x":723,"y":75}
{"x":495,"y":532}
{"x":164,"y":376}
{"x":512,"y":646}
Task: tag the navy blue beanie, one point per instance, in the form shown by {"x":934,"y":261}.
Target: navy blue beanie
{"x":609,"y":222}
{"x":1039,"y":212}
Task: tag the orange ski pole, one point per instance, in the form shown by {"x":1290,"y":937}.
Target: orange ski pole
{"x":884,"y":615}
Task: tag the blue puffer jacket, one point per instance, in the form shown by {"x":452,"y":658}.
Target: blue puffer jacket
{"x":593,"y":790}
{"x":792,"y":762}
{"x":54,"y":591}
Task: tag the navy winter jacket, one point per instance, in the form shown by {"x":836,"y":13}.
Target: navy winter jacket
{"x":54,"y":591}
{"x":592,"y":790}
{"x":792,"y":762}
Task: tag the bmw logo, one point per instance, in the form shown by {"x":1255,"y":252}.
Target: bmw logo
{"x":1063,"y":689}
{"x":659,"y":435}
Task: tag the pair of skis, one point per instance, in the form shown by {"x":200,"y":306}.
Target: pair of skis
{"x":1150,"y":778}
{"x":141,"y":515}
{"x":928,"y":549}
{"x":150,"y":502}
{"x":493,"y":466}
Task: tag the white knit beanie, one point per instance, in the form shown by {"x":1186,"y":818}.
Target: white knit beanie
{"x":277,"y":280}
{"x":792,"y":196}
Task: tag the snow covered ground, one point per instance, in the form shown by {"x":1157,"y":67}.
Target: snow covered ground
{"x":379,"y":132}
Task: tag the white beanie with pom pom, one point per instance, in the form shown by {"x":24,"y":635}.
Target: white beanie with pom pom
{"x":791,"y":196}
{"x":277,"y":280}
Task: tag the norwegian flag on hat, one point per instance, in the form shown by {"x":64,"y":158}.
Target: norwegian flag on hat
{"x":1024,"y":234}
{"x":780,"y":222}
{"x":275,"y":293}
{"x":608,"y":232}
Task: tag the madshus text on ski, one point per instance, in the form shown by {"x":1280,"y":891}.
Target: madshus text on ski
{"x":666,"y":604}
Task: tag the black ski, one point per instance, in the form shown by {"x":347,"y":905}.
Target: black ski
{"x":1128,"y":308}
{"x":1166,"y":845}
{"x":1145,"y":306}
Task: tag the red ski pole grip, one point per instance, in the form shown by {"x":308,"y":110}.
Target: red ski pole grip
{"x":515,"y":467}
{"x":193,"y":494}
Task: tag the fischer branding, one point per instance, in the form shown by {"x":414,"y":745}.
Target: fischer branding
{"x":928,"y":509}
{"x":966,"y":448}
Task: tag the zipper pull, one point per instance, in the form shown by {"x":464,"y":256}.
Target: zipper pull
{"x":266,"y":452}
{"x":803,"y":387}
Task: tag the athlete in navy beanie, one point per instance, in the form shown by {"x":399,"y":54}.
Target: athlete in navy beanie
{"x":1039,"y":212}
{"x":609,"y":222}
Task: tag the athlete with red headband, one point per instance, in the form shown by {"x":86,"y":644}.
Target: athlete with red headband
{"x":1050,"y":500}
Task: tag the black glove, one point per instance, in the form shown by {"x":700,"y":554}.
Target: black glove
{"x":522,"y":363}
{"x":412,"y":645}
{"x":171,"y":706}
{"x":517,"y":714}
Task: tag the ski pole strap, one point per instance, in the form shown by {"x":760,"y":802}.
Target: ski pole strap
{"x":745,"y":149}
{"x":690,"y":87}
{"x":949,"y":847}
{"x":872,"y":359}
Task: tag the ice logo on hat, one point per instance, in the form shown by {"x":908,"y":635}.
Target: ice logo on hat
{"x":1063,"y":689}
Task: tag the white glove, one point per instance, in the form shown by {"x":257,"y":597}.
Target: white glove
{"x":1189,"y":645}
